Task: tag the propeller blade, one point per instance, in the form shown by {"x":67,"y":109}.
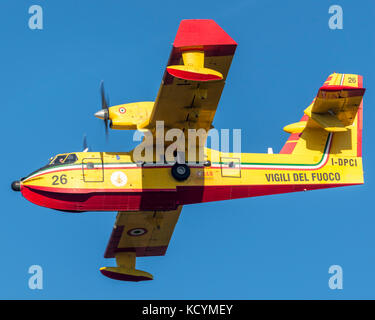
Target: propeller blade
{"x":104,"y":113}
{"x":102,"y":93}
{"x":106,"y":128}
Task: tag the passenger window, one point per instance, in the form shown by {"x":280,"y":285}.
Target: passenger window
{"x":71,"y":158}
{"x":90,"y":165}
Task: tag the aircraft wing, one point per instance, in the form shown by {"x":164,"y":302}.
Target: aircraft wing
{"x":194,"y":77}
{"x":138,"y":234}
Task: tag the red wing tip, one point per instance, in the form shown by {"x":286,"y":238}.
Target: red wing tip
{"x":123,"y":277}
{"x":197,"y":21}
{"x":201,"y":32}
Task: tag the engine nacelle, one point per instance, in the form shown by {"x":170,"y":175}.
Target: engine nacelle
{"x":130,"y":116}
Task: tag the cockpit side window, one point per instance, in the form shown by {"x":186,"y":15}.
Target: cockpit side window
{"x":71,"y":158}
{"x":59,"y":159}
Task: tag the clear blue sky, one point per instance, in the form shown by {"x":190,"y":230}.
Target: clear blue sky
{"x":268,"y":247}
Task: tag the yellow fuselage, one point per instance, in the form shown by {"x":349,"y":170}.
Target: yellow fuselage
{"x":112,"y":181}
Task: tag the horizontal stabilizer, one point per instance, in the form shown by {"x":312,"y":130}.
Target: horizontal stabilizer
{"x":297,"y":127}
{"x":328,"y":121}
{"x":340,"y":101}
{"x":335,"y":106}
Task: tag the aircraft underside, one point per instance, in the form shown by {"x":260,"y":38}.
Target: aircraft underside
{"x":156,"y":200}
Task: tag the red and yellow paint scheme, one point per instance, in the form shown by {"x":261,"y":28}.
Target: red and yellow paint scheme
{"x":324,"y":150}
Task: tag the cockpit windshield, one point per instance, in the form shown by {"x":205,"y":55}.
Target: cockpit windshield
{"x":59,"y":159}
{"x":71,"y":158}
{"x":64,"y":158}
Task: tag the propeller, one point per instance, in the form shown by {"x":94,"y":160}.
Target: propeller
{"x":104,"y":112}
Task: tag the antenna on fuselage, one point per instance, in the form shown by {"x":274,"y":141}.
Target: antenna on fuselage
{"x":85,"y":146}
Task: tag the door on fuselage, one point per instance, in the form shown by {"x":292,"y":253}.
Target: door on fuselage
{"x":230,"y":167}
{"x":93,"y":170}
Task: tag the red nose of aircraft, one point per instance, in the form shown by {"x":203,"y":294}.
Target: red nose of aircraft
{"x":16,"y":185}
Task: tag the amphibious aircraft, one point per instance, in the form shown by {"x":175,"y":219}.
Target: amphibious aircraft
{"x":324,"y":150}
